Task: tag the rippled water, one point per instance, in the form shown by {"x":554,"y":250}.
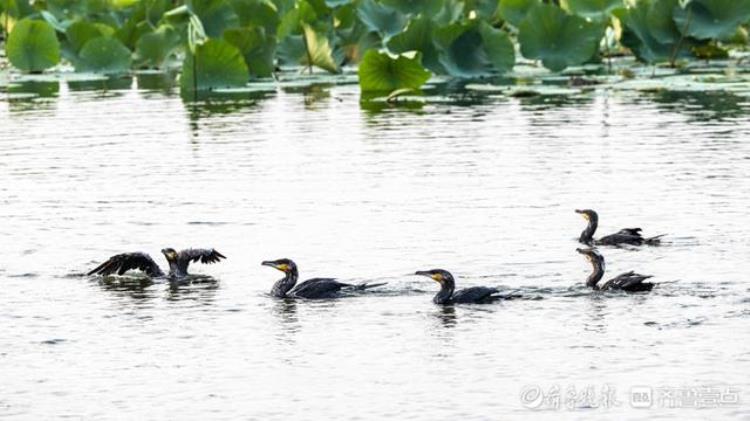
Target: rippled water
{"x":482,"y":186}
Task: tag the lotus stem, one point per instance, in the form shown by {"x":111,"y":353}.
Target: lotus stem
{"x":307,"y":51}
{"x":195,"y":75}
{"x":5,"y":27}
{"x":682,"y":37}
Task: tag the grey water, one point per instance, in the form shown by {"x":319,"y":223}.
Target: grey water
{"x":483,"y":186}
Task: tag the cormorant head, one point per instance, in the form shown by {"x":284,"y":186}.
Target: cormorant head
{"x":170,"y":254}
{"x":593,"y":255}
{"x":438,"y":275}
{"x":588,"y":214}
{"x":284,"y":265}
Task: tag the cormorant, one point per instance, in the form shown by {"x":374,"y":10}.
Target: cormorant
{"x":624,"y":236}
{"x":448,"y":295}
{"x":178,"y":262}
{"x":628,"y":281}
{"x":311,"y":288}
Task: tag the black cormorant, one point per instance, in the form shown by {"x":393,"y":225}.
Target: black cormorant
{"x":448,"y":295}
{"x":628,"y":281}
{"x":311,"y":288}
{"x":624,"y":236}
{"x":178,"y":262}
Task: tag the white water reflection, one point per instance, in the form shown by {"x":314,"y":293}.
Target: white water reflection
{"x":486,"y":191}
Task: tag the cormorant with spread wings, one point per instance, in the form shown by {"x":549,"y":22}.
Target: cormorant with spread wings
{"x":178,"y":262}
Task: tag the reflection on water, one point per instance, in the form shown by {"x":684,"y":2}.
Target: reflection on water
{"x":446,"y":315}
{"x":704,"y":106}
{"x":479,"y":184}
{"x":285,"y":309}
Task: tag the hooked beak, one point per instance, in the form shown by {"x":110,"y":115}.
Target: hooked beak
{"x":582,"y":251}
{"x":434,"y":276}
{"x":283,"y":267}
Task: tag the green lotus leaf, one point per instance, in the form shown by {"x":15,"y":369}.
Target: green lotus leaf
{"x":81,"y":32}
{"x":558,"y":39}
{"x":144,"y":17}
{"x":292,"y":21}
{"x":215,"y":64}
{"x":152,"y":49}
{"x":319,"y":52}
{"x":16,"y":9}
{"x":660,"y":21}
{"x":451,"y":12}
{"x":499,"y":48}
{"x":650,"y":32}
{"x":123,"y":4}
{"x":320,"y":7}
{"x":592,"y":9}
{"x":380,"y":18}
{"x":104,"y":55}
{"x":215,"y":15}
{"x":514,"y":11}
{"x":32,"y":46}
{"x":485,"y":9}
{"x":474,"y":49}
{"x":337,"y":3}
{"x":380,"y":72}
{"x":52,"y":20}
{"x":712,"y":19}
{"x":418,"y":36}
{"x":291,"y":50}
{"x":284,"y":6}
{"x":461,"y":50}
{"x":257,"y":13}
{"x":256,"y":47}
{"x":425,"y":7}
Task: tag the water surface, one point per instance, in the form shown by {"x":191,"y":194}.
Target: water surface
{"x":482,"y":186}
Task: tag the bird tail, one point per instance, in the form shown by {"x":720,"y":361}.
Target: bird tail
{"x":654,"y":240}
{"x":507,"y":296}
{"x":97,"y":269}
{"x":364,"y":285}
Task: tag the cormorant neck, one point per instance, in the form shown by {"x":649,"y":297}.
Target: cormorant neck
{"x":174,"y":269}
{"x":596,"y":275}
{"x":282,"y":286}
{"x":446,"y":292}
{"x":587,"y":236}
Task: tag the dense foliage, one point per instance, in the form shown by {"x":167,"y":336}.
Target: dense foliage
{"x":397,"y":44}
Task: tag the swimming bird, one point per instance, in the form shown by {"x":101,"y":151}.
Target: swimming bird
{"x":178,"y":262}
{"x":624,"y":236}
{"x":628,"y":281}
{"x":448,"y":294}
{"x":312,"y":288}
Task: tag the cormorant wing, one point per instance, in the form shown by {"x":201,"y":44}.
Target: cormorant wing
{"x":121,"y":263}
{"x":206,"y":256}
{"x":630,"y":231}
{"x":620,"y":238}
{"x":317,"y":288}
{"x":473,"y":294}
{"x":629,"y":281}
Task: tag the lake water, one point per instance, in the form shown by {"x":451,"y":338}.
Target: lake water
{"x":483,"y":186}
